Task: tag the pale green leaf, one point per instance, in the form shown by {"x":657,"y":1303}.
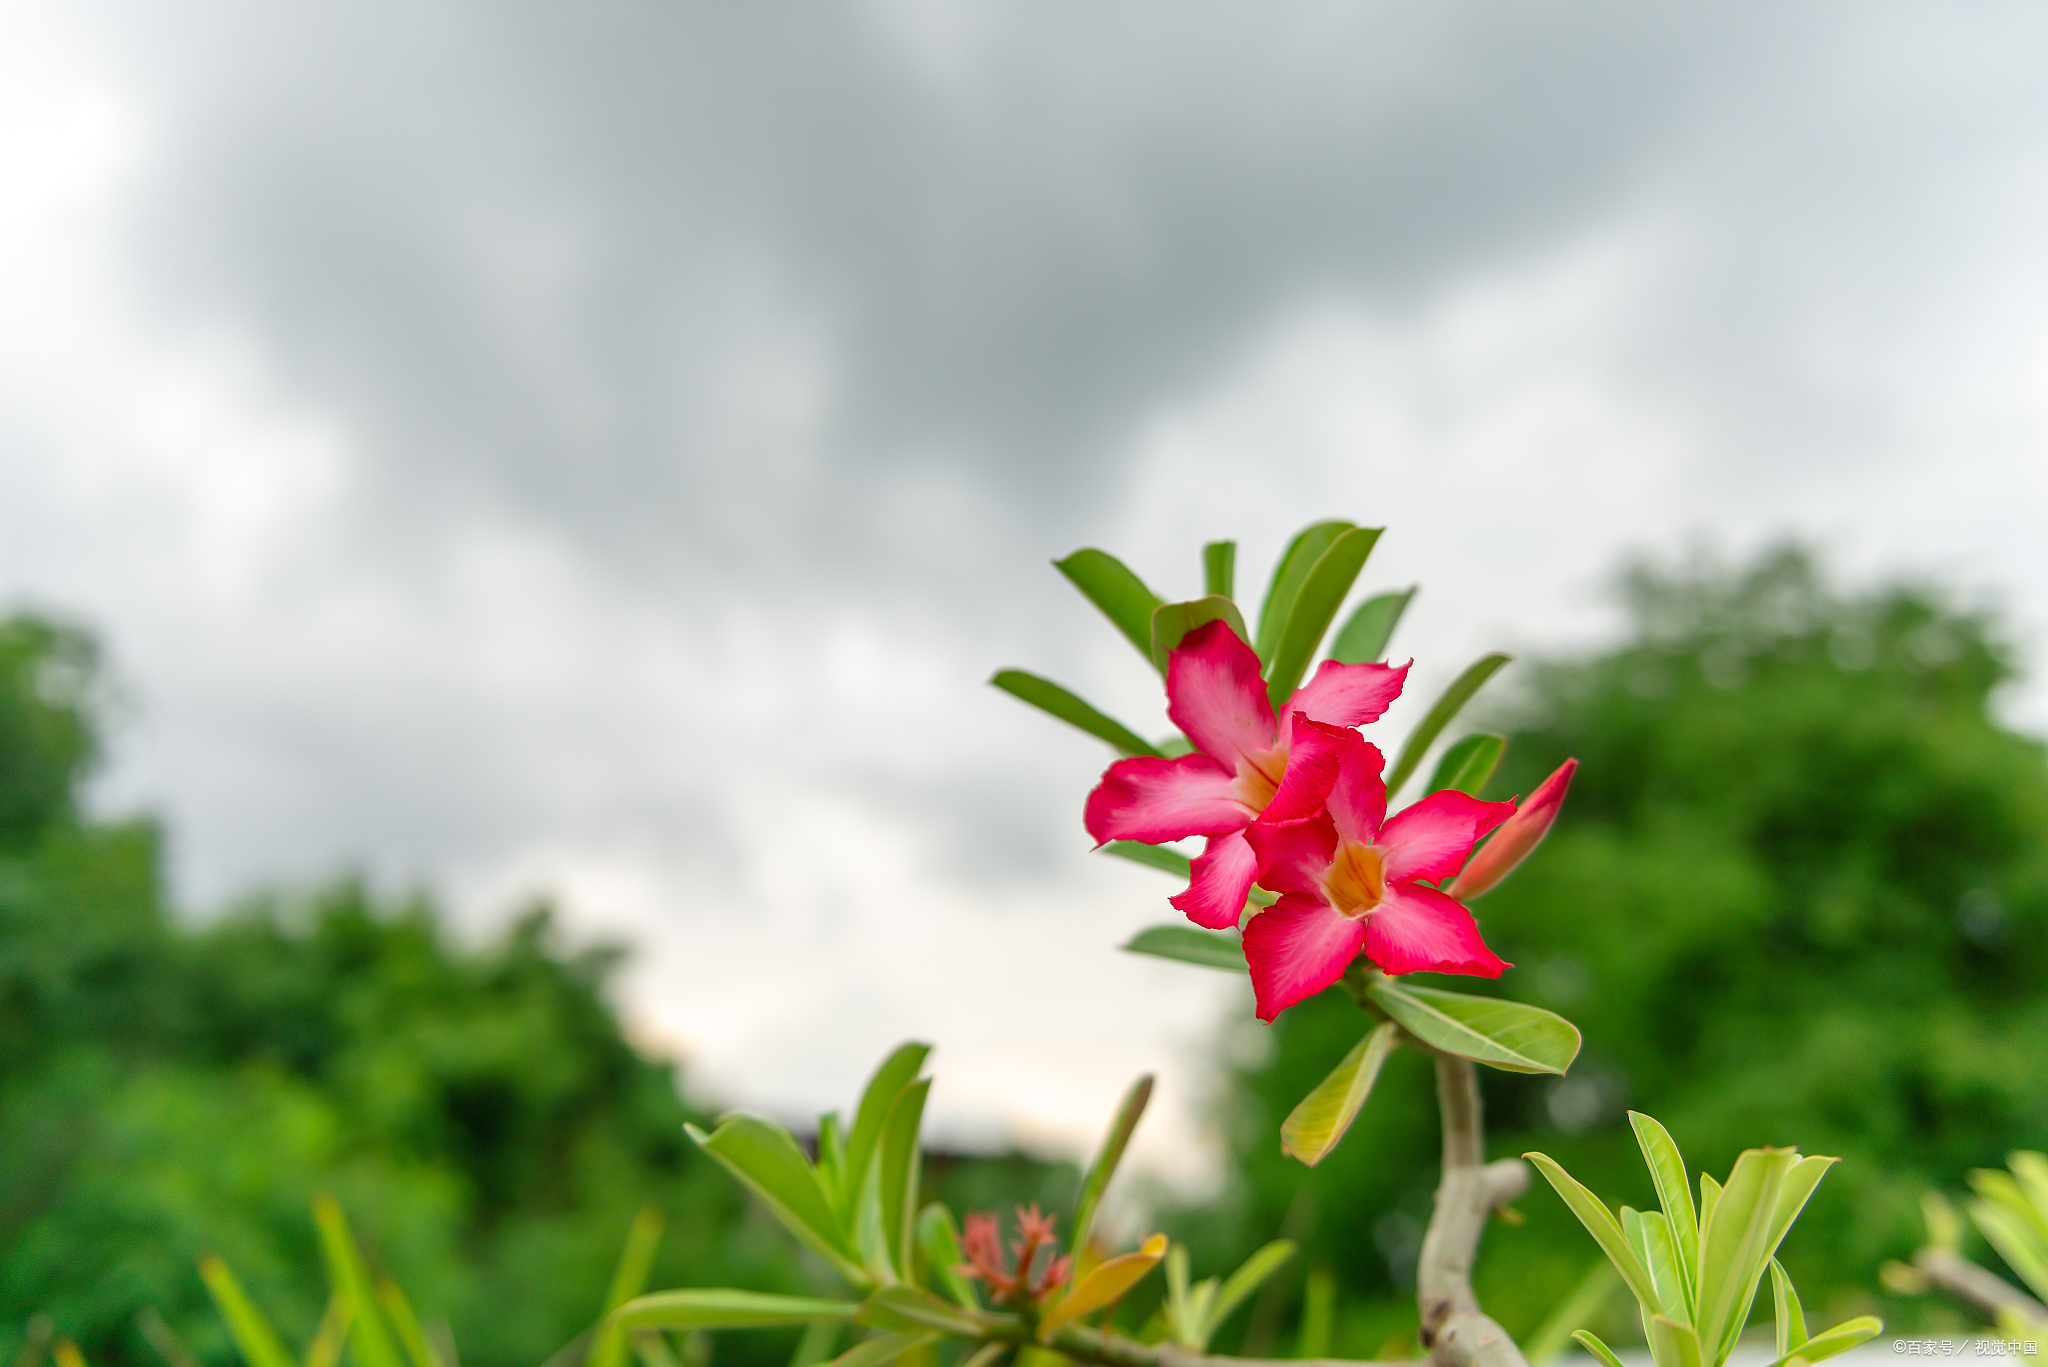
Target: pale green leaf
{"x":1123,"y":598}
{"x":1190,"y":945}
{"x":1787,"y":1314}
{"x":251,"y":1330}
{"x":628,"y":1281}
{"x":398,"y":1310}
{"x":371,"y":1338}
{"x":764,"y":1157}
{"x":1315,"y":1125}
{"x":1288,"y":577}
{"x":901,"y":1159}
{"x":1674,"y":1194}
{"x":1363,"y":639}
{"x":1601,"y":1224}
{"x":1467,"y":764}
{"x":1121,"y":1127}
{"x":724,"y":1308}
{"x":1736,"y":1244}
{"x":1243,"y":1282}
{"x":1048,"y":696}
{"x":1315,"y":606}
{"x":1586,"y":1300}
{"x":907,"y":1310}
{"x":1673,"y":1344}
{"x":882,"y":1349}
{"x":1219,"y":570}
{"x":864,"y":1141}
{"x":1151,"y":856}
{"x":1593,"y":1345}
{"x":1504,"y":1034}
{"x":1440,"y":715}
{"x":1839,"y":1339}
{"x":1660,"y":1256}
{"x":939,"y":1237}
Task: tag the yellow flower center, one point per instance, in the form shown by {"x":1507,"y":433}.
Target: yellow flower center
{"x":1258,"y":778}
{"x":1356,"y":882}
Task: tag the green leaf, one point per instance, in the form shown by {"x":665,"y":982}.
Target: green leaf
{"x":1839,"y":1339}
{"x":763,"y":1156}
{"x":1364,"y":638}
{"x":1288,"y":577}
{"x":1800,"y":1180}
{"x":1309,"y":617}
{"x":1660,"y":1256}
{"x":1314,"y":1126}
{"x":2031,"y":1171}
{"x":1151,"y":856}
{"x":1172,"y":621}
{"x":651,"y":1347}
{"x":939,"y":1237}
{"x":907,"y":1310}
{"x":1209,"y":948}
{"x":1790,"y":1319}
{"x":1594,"y":1289}
{"x":2015,"y":1242}
{"x":325,"y":1349}
{"x":1243,"y":1282}
{"x":251,"y":1331}
{"x":1504,"y":1034}
{"x":893,"y":1076}
{"x":882,"y":1349}
{"x":628,"y":1281}
{"x":817,"y":1344}
{"x":1219,"y":569}
{"x":900,"y":1162}
{"x":1601,"y":1224}
{"x":1674,"y":1194}
{"x":1710,"y":1196}
{"x":1121,"y":595}
{"x":723,"y":1308}
{"x":1467,"y":765}
{"x":405,"y":1323}
{"x":1048,"y":696}
{"x":1598,"y":1349}
{"x":1439,"y":716}
{"x":831,"y":1153}
{"x":1673,"y":1344}
{"x":370,"y":1339}
{"x":1128,"y":1112}
{"x":1736,"y":1244}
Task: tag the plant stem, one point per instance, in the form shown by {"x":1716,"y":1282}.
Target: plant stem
{"x":1454,"y":1329}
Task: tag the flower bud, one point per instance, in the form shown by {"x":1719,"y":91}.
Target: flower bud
{"x":1518,"y":835}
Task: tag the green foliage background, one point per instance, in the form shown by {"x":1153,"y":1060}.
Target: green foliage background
{"x":1799,"y":895}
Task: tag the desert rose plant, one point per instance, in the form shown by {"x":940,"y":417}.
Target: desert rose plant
{"x":1312,"y":873}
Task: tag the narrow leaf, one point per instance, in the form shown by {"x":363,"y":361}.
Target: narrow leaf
{"x":1190,"y":945}
{"x":894,"y":1074}
{"x":405,"y":1323}
{"x":1509,"y":1035}
{"x":1151,"y":856}
{"x":1109,"y":584}
{"x":1839,"y":1339}
{"x":629,"y":1279}
{"x":1593,"y":1345}
{"x":763,"y":1156}
{"x":1243,"y":1282}
{"x":1288,"y":577}
{"x":372,"y":1341}
{"x":1172,"y":621}
{"x":1104,"y":1285}
{"x":325,"y":1349}
{"x":1601,"y":1224}
{"x":1673,"y":1344}
{"x":1735,"y":1244}
{"x":1128,"y":1112}
{"x":1789,"y":1317}
{"x":1800,"y":1180}
{"x":1674,"y":1194}
{"x":1586,"y":1300}
{"x":882,"y":1349}
{"x":724,"y":1308}
{"x":817,"y":1344}
{"x":1219,"y":569}
{"x":1364,"y":638}
{"x":1308,"y":618}
{"x":1048,"y":696}
{"x":247,"y":1325}
{"x":1439,"y":716}
{"x":1467,"y":764}
{"x":831,"y":1153}
{"x":1660,"y":1255}
{"x":939,"y":1237}
{"x":1710,"y":1196}
{"x":901,"y":1157}
{"x":907,"y":1310}
{"x":1315,"y":1125}
{"x":651,"y":1347}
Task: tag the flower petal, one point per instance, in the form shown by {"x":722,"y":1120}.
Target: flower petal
{"x":1296,"y":948}
{"x":1420,"y":930}
{"x":1215,"y":695}
{"x":1346,"y":695}
{"x":1223,"y":875}
{"x":1358,"y":797}
{"x":1150,"y":799}
{"x":1518,"y":835}
{"x":1313,"y":762}
{"x":1294,"y":855}
{"x":1432,"y":838}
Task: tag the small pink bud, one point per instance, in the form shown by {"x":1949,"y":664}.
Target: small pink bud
{"x":1518,"y":835}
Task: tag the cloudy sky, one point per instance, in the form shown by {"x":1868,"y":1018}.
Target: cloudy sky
{"x":602,"y":449}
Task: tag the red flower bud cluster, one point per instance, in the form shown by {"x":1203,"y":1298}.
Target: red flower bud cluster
{"x":982,"y":1243}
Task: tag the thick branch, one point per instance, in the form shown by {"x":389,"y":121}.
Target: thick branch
{"x":1454,"y":1329}
{"x":1981,"y":1287}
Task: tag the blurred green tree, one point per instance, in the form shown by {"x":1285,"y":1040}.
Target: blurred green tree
{"x":1799,"y":895}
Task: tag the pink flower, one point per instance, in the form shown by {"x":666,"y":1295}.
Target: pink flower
{"x":1351,"y":878}
{"x":1247,"y":762}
